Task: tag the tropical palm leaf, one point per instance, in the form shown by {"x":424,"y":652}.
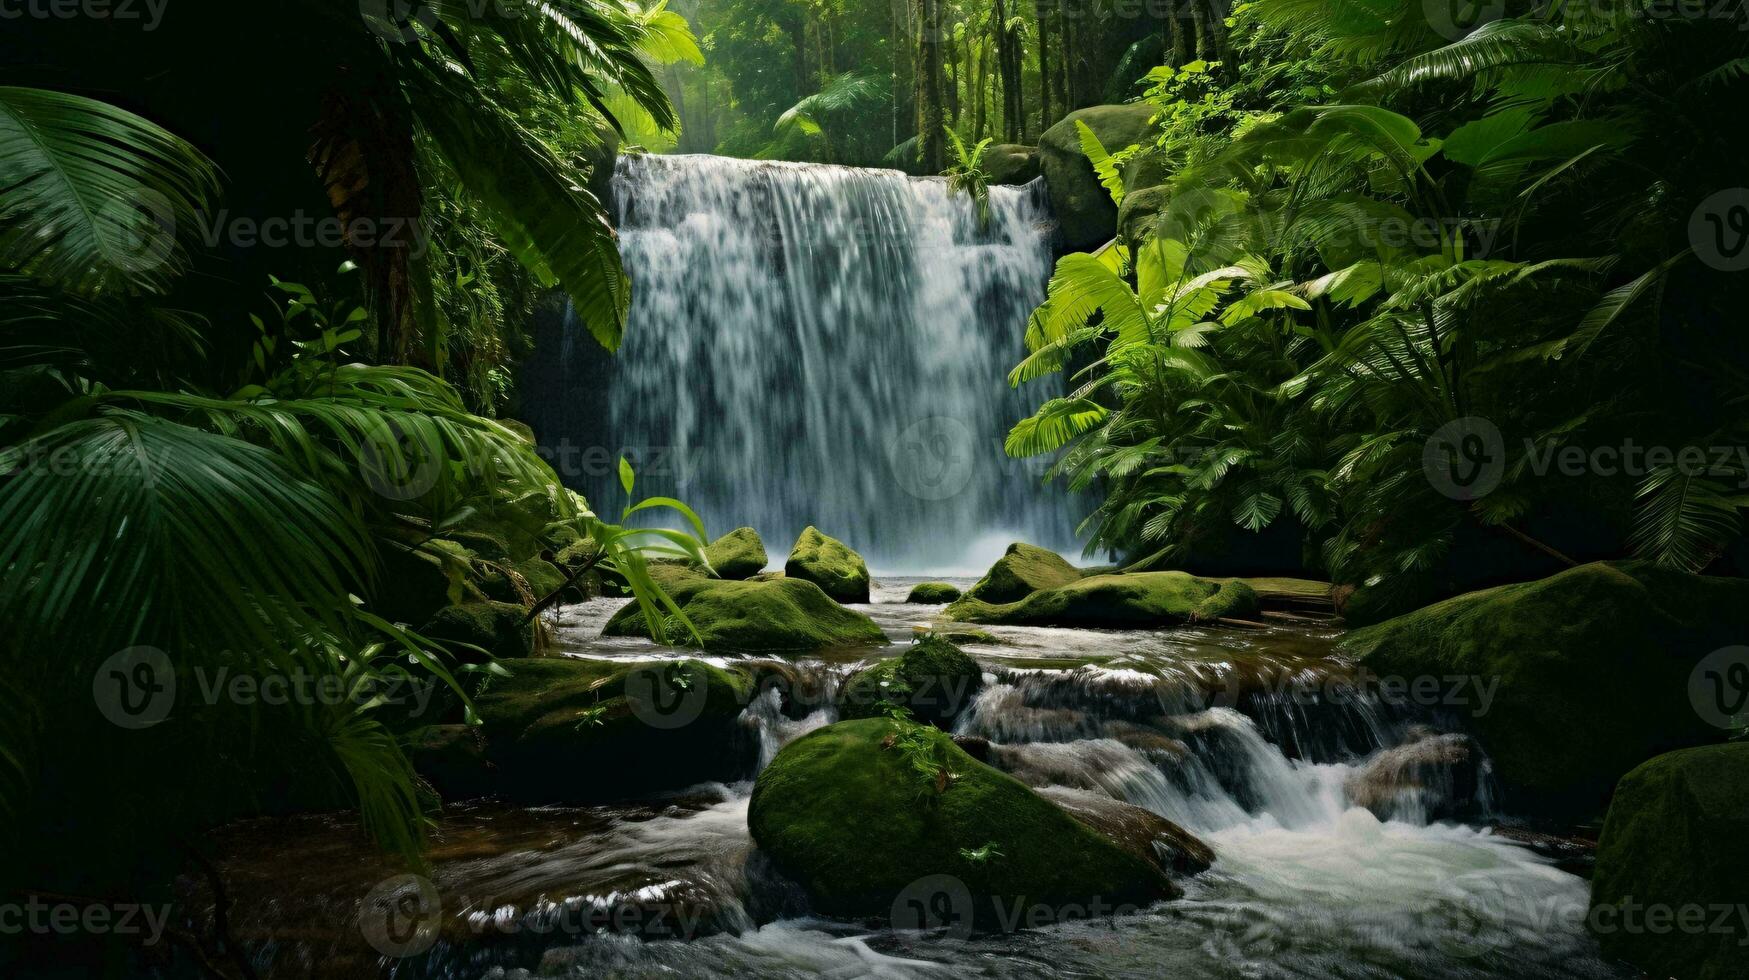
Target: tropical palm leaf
{"x":94,"y":197}
{"x":1053,"y":426}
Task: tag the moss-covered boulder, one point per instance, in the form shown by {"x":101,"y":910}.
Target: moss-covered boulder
{"x":1138,"y":216}
{"x":1677,"y":838}
{"x":538,"y":576}
{"x":933,"y":678}
{"x":499,"y":628}
{"x":1085,"y":214}
{"x":1138,"y":601}
{"x":558,"y":729}
{"x":737,"y":555}
{"x":830,"y":564}
{"x":786,"y":615}
{"x":869,"y":826}
{"x":1572,"y":680}
{"x":933,"y":593}
{"x":1022,"y":570}
{"x":1012,"y":163}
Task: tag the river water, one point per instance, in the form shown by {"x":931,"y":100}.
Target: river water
{"x":1249,"y":738}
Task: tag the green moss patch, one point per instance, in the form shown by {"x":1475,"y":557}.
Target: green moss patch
{"x":933,"y":593}
{"x":783,"y":615}
{"x":737,"y":555}
{"x":830,"y":564}
{"x":1677,"y":837}
{"x":495,"y":627}
{"x":1589,"y":671}
{"x":846,"y":813}
{"x":1141,"y":600}
{"x":560,"y":729}
{"x":1022,"y":570}
{"x":934,"y":679}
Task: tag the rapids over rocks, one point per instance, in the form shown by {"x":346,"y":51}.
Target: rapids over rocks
{"x":1334,"y":859}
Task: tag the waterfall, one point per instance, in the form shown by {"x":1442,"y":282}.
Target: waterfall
{"x":828,"y":345}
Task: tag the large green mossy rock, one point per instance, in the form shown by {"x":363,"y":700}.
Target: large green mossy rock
{"x":1140,"y":600}
{"x":846,"y":813}
{"x":1138,"y":217}
{"x":785,"y":615}
{"x":1012,"y":163}
{"x":539,"y":576}
{"x":934,"y":679}
{"x":1022,"y":570}
{"x":737,"y":555}
{"x":499,"y":628}
{"x":1085,"y":214}
{"x":1588,"y":670}
{"x":830,"y":564}
{"x":559,"y":729}
{"x":1677,"y":838}
{"x":933,"y":593}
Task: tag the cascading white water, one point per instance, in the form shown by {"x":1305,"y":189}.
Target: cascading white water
{"x":827,"y":345}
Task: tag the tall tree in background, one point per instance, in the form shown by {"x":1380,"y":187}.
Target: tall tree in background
{"x":931,"y":140}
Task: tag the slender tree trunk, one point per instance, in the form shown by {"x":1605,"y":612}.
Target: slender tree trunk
{"x":981,"y":82}
{"x":1182,"y":32}
{"x":931,"y":140}
{"x":1205,"y":38}
{"x":1042,"y":11}
{"x":955,"y":74}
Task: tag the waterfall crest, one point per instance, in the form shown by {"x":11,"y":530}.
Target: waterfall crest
{"x":825,"y":345}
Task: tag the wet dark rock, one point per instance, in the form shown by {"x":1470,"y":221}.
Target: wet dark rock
{"x":933,"y":679}
{"x":1432,"y":776}
{"x":1586,"y":673}
{"x":830,"y":564}
{"x":1677,"y":838}
{"x":1142,"y":832}
{"x":845,"y":812}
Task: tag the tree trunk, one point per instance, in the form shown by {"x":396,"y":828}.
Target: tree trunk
{"x":931,"y":140}
{"x":1182,"y":32}
{"x":956,"y":73}
{"x":1042,"y":9}
{"x":1205,"y":38}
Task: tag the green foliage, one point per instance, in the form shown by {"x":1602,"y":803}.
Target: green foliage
{"x":967,"y":175}
{"x":1375,"y":231}
{"x":240,"y":530}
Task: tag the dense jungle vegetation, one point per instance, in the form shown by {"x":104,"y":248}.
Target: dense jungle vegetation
{"x":1377,"y":272}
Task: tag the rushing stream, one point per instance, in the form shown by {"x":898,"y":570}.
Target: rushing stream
{"x":819,"y":345}
{"x":1249,"y":738}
